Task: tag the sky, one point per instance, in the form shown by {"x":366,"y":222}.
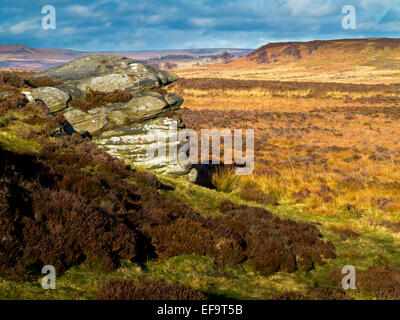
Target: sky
{"x":122,"y":25}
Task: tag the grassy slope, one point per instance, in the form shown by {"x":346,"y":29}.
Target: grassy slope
{"x":376,"y":246}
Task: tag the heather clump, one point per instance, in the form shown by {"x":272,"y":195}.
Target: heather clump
{"x":116,"y":289}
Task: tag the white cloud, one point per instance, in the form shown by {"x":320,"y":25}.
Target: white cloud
{"x":25,"y":26}
{"x":373,"y":4}
{"x":152,"y":19}
{"x":69,"y":30}
{"x":203,"y":22}
{"x":82,"y":11}
{"x":310,"y":8}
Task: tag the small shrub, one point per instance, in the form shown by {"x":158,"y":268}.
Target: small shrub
{"x":314,"y":293}
{"x":80,"y":104}
{"x":99,"y":98}
{"x":274,"y":244}
{"x":380,"y":282}
{"x":252,"y":194}
{"x":94,"y":99}
{"x":12,"y":100}
{"x":42,"y":82}
{"x":148,"y":179}
{"x":12,"y":79}
{"x":383,"y":282}
{"x":228,"y":205}
{"x":224,"y":179}
{"x":146,"y":290}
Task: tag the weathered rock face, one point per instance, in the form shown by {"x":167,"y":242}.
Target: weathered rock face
{"x":134,"y":141}
{"x":107,"y":73}
{"x":125,"y":130}
{"x":55,"y":99}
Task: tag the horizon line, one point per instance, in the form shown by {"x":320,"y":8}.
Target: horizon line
{"x":205,"y":48}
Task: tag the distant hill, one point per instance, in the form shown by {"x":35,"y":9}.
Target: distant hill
{"x":382,"y":52}
{"x":21,"y":56}
{"x":347,"y":60}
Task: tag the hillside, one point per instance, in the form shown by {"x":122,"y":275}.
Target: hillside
{"x":67,"y":202}
{"x":324,"y":193}
{"x":380,"y":53}
{"x":21,"y":56}
{"x":347,"y":61}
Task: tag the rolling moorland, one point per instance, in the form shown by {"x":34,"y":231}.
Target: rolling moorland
{"x":23,"y":57}
{"x":373,"y":61}
{"x":324,"y":193}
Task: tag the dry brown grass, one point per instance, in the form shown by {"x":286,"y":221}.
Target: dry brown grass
{"x":373,"y":61}
{"x":293,"y":72}
{"x":331,"y":149}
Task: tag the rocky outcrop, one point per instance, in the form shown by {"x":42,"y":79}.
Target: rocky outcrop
{"x":125,"y":130}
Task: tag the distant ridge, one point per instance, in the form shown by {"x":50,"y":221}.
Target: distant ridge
{"x":21,"y":56}
{"x":372,"y":51}
{"x":371,"y":60}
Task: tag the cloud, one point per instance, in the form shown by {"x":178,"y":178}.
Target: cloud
{"x":25,"y":26}
{"x":203,"y":22}
{"x":82,"y":11}
{"x":69,"y":30}
{"x":162,"y":24}
{"x":310,"y":8}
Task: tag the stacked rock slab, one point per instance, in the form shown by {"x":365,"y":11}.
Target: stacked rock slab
{"x":125,"y":130}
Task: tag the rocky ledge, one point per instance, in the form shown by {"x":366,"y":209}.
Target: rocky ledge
{"x":127,"y":129}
